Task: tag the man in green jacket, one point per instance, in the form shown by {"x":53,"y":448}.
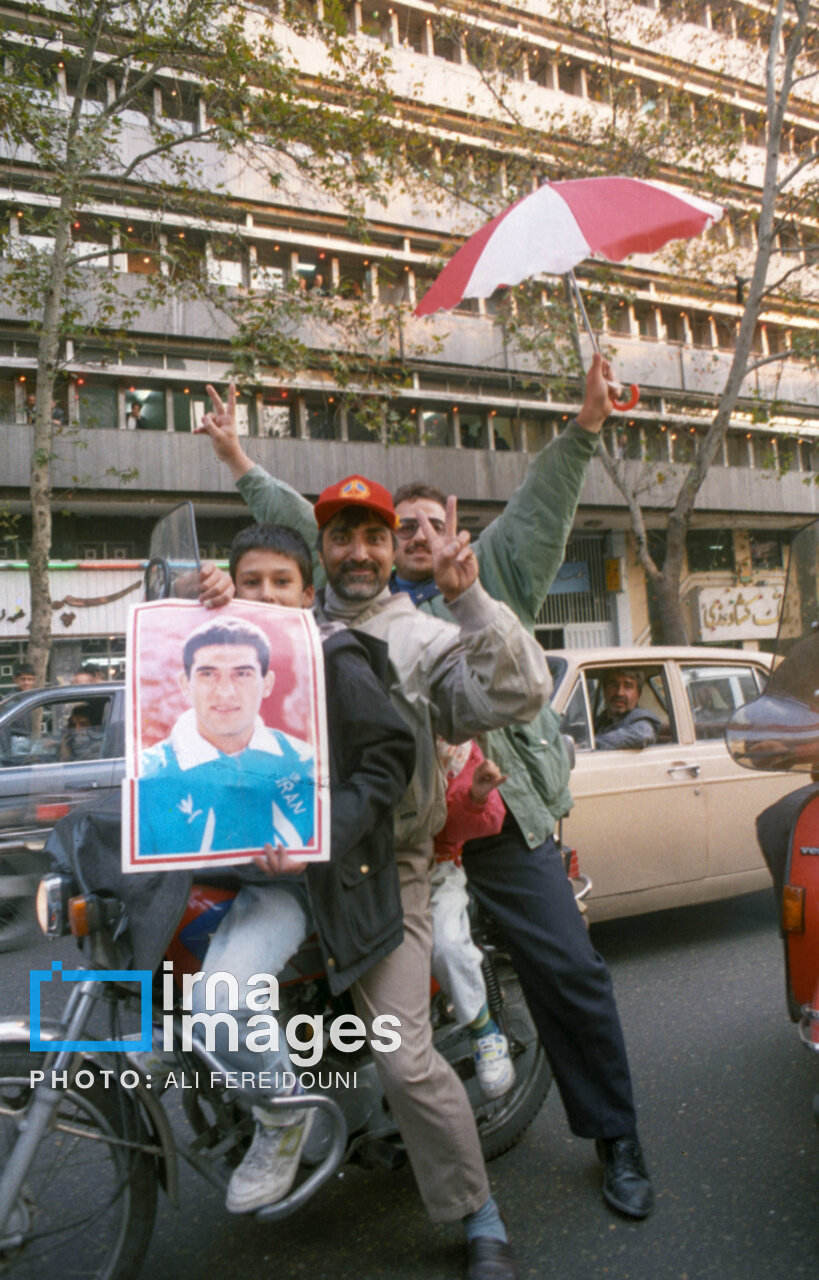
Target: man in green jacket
{"x":518,"y":875}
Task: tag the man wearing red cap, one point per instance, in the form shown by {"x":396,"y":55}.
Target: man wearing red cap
{"x":456,"y":683}
{"x":518,"y":875}
{"x":455,"y":680}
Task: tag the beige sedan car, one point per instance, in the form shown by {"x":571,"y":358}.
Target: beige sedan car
{"x":674,"y":822}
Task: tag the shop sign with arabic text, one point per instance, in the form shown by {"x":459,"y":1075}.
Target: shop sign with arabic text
{"x":739,"y":613}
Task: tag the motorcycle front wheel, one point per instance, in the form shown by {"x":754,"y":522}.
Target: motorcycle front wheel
{"x":87,"y":1208}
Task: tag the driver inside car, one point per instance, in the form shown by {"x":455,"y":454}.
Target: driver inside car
{"x":623,"y":724}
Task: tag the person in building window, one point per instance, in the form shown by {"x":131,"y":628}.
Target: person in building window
{"x":133,"y":418}
{"x":623,"y":723}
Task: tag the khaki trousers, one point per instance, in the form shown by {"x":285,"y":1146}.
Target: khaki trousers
{"x":427,"y":1098}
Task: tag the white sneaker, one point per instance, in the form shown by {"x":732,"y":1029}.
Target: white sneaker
{"x":493,"y":1065}
{"x":268,"y":1171}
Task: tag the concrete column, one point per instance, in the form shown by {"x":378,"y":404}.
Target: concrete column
{"x":391,"y":35}
{"x":301,"y":418}
{"x":428,"y":39}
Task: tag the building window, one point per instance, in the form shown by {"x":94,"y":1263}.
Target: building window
{"x":504,"y":433}
{"x":763,"y":452}
{"x":709,"y":550}
{"x":145,"y":409}
{"x":435,"y":428}
{"x":277,"y":418}
{"x":736,"y":446}
{"x":96,"y":405}
{"x":472,"y":430}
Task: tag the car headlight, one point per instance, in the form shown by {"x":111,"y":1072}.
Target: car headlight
{"x":51,"y":903}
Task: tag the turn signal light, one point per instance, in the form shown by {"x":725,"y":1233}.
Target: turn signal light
{"x":793,"y":909}
{"x":78,"y":920}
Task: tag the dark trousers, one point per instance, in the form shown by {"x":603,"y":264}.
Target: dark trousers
{"x":566,"y":983}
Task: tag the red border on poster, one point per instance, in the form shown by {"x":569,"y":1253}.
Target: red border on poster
{"x":155,"y":701}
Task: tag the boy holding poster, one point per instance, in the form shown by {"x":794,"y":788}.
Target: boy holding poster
{"x":353,"y":901}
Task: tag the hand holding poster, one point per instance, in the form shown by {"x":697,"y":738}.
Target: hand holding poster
{"x":226,"y":743}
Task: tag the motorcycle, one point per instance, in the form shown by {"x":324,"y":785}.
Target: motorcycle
{"x":85,"y":1134}
{"x":780,"y":730}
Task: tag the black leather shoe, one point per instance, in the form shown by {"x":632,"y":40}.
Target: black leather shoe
{"x":626,"y":1184}
{"x":489,"y":1259}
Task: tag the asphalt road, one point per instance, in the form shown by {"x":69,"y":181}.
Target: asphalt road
{"x":724,"y":1092}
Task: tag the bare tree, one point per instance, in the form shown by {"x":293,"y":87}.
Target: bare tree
{"x":133,"y":102}
{"x":694,"y":141}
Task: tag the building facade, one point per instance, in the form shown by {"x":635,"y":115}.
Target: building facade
{"x":465,"y":404}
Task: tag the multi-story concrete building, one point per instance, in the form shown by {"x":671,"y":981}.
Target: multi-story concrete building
{"x":471,"y":407}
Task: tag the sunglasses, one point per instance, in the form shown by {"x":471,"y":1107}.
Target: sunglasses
{"x":408,"y":528}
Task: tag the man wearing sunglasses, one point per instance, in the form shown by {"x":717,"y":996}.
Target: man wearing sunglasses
{"x":518,"y":875}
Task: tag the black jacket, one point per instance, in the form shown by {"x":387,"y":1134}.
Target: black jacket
{"x":355,"y":896}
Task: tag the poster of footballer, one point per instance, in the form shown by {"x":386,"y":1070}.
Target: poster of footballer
{"x":226,"y":739}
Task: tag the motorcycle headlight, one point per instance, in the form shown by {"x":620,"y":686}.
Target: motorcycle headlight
{"x":51,"y":903}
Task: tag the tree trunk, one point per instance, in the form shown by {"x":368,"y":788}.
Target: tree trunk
{"x":39,"y":646}
{"x":672,"y":625}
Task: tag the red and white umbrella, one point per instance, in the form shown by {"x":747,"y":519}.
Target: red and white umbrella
{"x":553,"y":229}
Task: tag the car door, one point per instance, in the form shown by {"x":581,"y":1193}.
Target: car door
{"x":733,"y":795}
{"x":58,"y":747}
{"x":638,"y":821}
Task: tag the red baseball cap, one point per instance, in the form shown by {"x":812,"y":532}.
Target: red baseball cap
{"x":355,"y":491}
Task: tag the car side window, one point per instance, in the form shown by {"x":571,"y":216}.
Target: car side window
{"x":56,"y":732}
{"x":615,"y":726}
{"x":716,"y":692}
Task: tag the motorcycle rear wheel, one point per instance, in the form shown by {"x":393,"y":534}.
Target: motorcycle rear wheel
{"x":89,"y":1199}
{"x":503,"y":1121}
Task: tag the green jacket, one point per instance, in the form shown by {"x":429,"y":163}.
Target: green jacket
{"x":519,"y":554}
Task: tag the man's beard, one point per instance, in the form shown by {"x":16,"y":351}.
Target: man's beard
{"x":356,"y":590}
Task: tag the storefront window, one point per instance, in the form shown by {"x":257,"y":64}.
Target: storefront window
{"x":767,"y":549}
{"x":710,"y":549}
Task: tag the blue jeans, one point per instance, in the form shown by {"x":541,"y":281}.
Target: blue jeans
{"x":264,"y":927}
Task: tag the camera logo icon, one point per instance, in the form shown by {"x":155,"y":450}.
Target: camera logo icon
{"x":143,"y":977}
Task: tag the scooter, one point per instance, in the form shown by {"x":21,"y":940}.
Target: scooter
{"x":780,"y":730}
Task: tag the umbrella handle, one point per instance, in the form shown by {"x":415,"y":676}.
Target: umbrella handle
{"x":623,"y":406}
